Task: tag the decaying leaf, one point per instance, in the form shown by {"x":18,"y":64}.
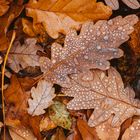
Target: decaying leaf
{"x":135,"y":39}
{"x":106,"y":132}
{"x":58,"y":16}
{"x":86,"y":132}
{"x":24,"y":55}
{"x":59,"y":115}
{"x":92,"y":48}
{"x":47,"y":124}
{"x":106,"y":94}
{"x":16,"y":98}
{"x":59,"y":135}
{"x":5,"y":21}
{"x":42,"y":98}
{"x":4,"y":6}
{"x":133,"y":132}
{"x":34,"y":30}
{"x":21,"y":133}
{"x":134,"y":4}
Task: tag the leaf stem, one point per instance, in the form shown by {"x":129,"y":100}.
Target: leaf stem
{"x":2,"y":85}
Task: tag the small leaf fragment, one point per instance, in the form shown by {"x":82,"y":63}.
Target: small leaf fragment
{"x":59,"y":115}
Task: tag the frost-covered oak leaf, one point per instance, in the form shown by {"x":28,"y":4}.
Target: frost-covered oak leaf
{"x":92,"y":48}
{"x":114,"y":4}
{"x":24,"y":55}
{"x":105,"y":94}
{"x":42,"y":97}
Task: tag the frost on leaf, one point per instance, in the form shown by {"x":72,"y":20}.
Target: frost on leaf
{"x":134,"y":4}
{"x":133,"y":132}
{"x":106,"y":132}
{"x":105,"y":94}
{"x":24,"y":55}
{"x":92,"y":48}
{"x":42,"y":97}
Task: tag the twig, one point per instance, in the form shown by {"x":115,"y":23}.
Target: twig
{"x":2,"y":85}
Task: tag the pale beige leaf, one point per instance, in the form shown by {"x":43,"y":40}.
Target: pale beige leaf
{"x":134,"y":4}
{"x":114,"y":4}
{"x":92,"y":48}
{"x":21,"y":133}
{"x":42,"y":97}
{"x":24,"y":55}
{"x":106,"y":132}
{"x":59,"y":16}
{"x":133,"y":132}
{"x":103,"y":93}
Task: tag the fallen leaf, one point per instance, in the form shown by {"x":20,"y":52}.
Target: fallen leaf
{"x":103,"y":93}
{"x":16,"y":97}
{"x":4,"y":6}
{"x":91,"y":49}
{"x":21,"y":133}
{"x":42,"y":97}
{"x":86,"y":132}
{"x":114,"y":4}
{"x":58,"y":16}
{"x":46,"y":124}
{"x":59,"y":115}
{"x":106,"y":132}
{"x":135,"y":40}
{"x":34,"y":30}
{"x":24,"y":55}
{"x":133,"y":132}
{"x":5,"y":21}
{"x":59,"y":135}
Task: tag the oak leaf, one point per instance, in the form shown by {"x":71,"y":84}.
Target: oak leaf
{"x":134,"y":4}
{"x":92,"y":48}
{"x":106,"y":132}
{"x":58,"y":16}
{"x":42,"y":97}
{"x":105,"y":94}
{"x":133,"y":132}
{"x":24,"y":55}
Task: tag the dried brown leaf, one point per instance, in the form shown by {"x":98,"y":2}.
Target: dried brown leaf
{"x":92,"y":48}
{"x":4,"y":6}
{"x":86,"y":132}
{"x":106,"y":132}
{"x":21,"y":133}
{"x":24,"y":55}
{"x":133,"y":132}
{"x":105,"y":94}
{"x":58,"y":16}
